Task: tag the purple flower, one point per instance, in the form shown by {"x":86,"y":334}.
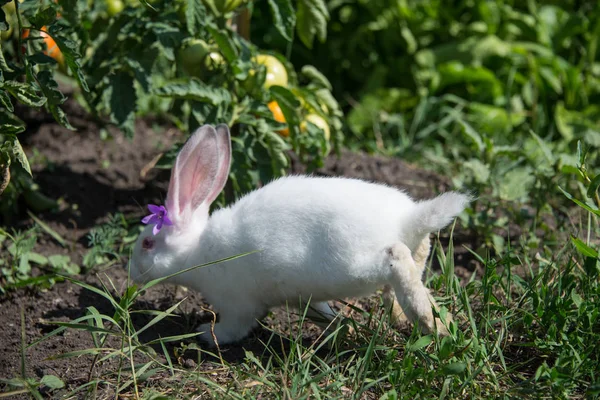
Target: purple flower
{"x":158,"y":217}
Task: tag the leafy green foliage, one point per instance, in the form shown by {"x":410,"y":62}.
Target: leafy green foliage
{"x":17,"y":267}
{"x":138,"y":63}
{"x":493,"y":94}
{"x":108,"y":242}
{"x":120,"y":326}
{"x":33,"y":43}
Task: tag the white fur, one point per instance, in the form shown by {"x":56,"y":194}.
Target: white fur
{"x":317,"y":238}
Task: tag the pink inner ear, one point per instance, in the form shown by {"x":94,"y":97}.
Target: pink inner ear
{"x":194,"y":172}
{"x":224,"y":155}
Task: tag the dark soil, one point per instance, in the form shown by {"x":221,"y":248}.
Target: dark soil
{"x":95,"y":178}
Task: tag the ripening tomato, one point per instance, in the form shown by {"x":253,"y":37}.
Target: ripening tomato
{"x":276,"y":72}
{"x":52,"y":48}
{"x":319,"y":122}
{"x":279,"y":117}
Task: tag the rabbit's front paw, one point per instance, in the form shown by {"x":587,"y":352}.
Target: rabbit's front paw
{"x":207,"y":332}
{"x":222,"y":332}
{"x":206,"y":335}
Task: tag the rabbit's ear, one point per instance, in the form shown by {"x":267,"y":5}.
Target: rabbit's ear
{"x":224,"y":155}
{"x":195,"y":172}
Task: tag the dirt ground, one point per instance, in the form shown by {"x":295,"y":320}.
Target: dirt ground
{"x":96,"y":178}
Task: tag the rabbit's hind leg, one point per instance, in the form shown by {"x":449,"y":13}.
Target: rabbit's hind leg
{"x":420,"y":255}
{"x":411,"y":293}
{"x":397,"y":316}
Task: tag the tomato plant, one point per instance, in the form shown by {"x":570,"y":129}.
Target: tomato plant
{"x":189,"y":61}
{"x":41,"y":38}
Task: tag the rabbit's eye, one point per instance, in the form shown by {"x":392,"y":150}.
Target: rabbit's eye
{"x":147,"y":243}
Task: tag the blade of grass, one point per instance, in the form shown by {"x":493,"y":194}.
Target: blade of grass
{"x":75,"y":321}
{"x":183,"y":271}
{"x":48,"y":230}
{"x":91,"y":288}
{"x":77,"y":353}
{"x":167,"y":357}
{"x":158,"y":318}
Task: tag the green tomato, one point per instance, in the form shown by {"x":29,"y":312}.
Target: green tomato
{"x":276,"y":72}
{"x":114,"y":7}
{"x":191,"y":56}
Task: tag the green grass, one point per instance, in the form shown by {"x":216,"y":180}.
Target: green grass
{"x":527,"y":325}
{"x":531,"y":334}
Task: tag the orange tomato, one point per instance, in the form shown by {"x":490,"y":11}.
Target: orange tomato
{"x":279,"y":117}
{"x":52,"y":48}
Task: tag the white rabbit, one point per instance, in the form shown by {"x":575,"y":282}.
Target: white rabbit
{"x":316,"y":238}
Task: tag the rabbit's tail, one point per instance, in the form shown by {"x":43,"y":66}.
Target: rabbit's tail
{"x":435,"y":214}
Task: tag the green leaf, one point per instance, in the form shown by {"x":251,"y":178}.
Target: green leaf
{"x":123,"y":101}
{"x":455,"y":368}
{"x":55,"y":98}
{"x":79,"y":353}
{"x":156,"y":281}
{"x":195,"y":15}
{"x":53,"y":382}
{"x":20,"y":156}
{"x":516,"y":184}
{"x":284,"y":17}
{"x":58,"y":261}
{"x":69,"y":49}
{"x":224,"y":43}
{"x":86,"y":327}
{"x":94,"y":289}
{"x":194,"y":89}
{"x":579,"y":203}
{"x":316,"y":76}
{"x":312,"y":17}
{"x":593,"y":188}
{"x":420,"y":343}
{"x":168,"y":36}
{"x":544,"y":147}
{"x":41,"y":59}
{"x":159,"y":317}
{"x":47,"y":229}
{"x":472,"y":134}
{"x":480,"y":171}
{"x":583,"y":248}
{"x":43,"y":17}
{"x":289,"y":104}
{"x":24,"y":93}
{"x":5,"y":101}
{"x":577,"y":299}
